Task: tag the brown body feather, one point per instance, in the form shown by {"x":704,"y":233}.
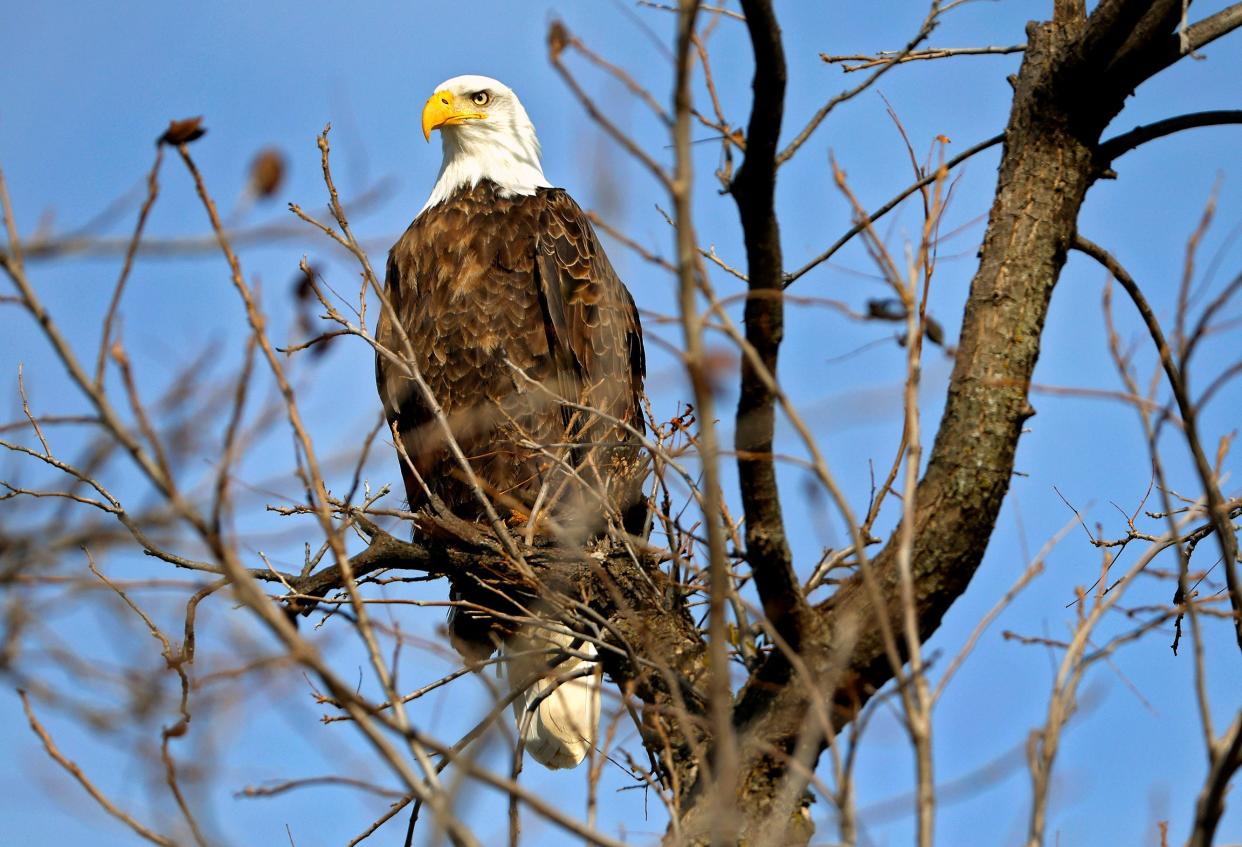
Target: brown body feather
{"x":531,"y":344}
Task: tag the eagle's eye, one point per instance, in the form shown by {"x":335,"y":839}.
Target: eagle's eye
{"x":480,"y":98}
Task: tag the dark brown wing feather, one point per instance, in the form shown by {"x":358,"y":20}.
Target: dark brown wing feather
{"x":508,"y":305}
{"x":594,"y":329}
{"x":530,"y":343}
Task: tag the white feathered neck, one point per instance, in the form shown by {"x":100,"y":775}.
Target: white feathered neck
{"x":502,"y":147}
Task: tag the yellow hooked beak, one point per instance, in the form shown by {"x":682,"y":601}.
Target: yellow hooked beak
{"x":444,"y":109}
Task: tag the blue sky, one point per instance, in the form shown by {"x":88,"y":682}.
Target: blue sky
{"x":92,"y":85}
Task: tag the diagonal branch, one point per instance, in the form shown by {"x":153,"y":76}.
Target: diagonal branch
{"x":76,"y":772}
{"x":1198,"y":34}
{"x":925,"y":29}
{"x":1209,"y":29}
{"x":858,"y":227}
{"x":1217,"y":510}
{"x":1113,"y":27}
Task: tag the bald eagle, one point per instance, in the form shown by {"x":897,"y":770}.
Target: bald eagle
{"x":500,"y":295}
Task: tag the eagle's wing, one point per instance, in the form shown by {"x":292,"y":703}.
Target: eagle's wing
{"x":591,"y":317}
{"x":594,"y":332}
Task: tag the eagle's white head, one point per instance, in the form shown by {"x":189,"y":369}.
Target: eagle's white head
{"x":486,"y":135}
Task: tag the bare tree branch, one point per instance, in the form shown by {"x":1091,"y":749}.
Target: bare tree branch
{"x":858,"y":227}
{"x":754,"y":192}
{"x":1197,"y":35}
{"x":864,"y":61}
{"x":721,"y":770}
{"x":925,"y":29}
{"x":1224,"y":760}
{"x":76,"y":772}
{"x":1217,"y":511}
{"x":1119,"y":145}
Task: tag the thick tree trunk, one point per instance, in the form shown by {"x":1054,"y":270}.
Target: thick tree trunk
{"x":1074,"y":78}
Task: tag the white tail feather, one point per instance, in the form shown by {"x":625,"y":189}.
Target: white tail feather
{"x":557,"y":719}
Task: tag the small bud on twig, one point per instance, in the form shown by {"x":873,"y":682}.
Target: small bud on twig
{"x":183,"y":131}
{"x":558,"y":39}
{"x":267,"y":172}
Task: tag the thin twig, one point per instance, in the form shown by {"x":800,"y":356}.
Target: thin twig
{"x":872,"y":217}
{"x":76,"y":772}
{"x":890,"y":57}
{"x":153,"y":190}
{"x":1215,"y":501}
